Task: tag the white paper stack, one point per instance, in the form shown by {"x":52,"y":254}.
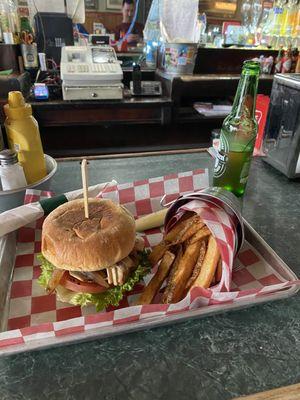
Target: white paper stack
{"x":179,"y":21}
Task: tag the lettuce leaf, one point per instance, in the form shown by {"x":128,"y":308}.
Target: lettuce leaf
{"x":109,"y":297}
{"x":47,"y":269}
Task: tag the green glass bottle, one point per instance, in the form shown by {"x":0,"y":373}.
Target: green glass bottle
{"x":238,"y":134}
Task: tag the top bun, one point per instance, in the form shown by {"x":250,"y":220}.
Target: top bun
{"x":72,"y":242}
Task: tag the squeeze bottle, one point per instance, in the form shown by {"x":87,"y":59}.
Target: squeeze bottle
{"x":24,"y":137}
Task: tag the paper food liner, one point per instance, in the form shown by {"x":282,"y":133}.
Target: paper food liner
{"x":35,"y":315}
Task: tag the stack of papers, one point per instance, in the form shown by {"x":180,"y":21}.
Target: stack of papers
{"x":213,"y":110}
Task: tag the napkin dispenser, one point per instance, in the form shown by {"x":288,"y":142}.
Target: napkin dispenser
{"x":282,"y":134}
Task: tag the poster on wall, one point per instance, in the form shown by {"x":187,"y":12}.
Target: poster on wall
{"x":114,"y":4}
{"x":91,"y":4}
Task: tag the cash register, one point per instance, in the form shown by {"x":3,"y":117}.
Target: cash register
{"x":91,"y":73}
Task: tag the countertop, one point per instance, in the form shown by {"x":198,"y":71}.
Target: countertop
{"x":213,"y":358}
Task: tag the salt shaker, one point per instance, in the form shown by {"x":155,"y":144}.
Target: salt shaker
{"x":11,"y":172}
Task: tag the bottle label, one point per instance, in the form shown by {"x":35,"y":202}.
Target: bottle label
{"x":278,"y":10}
{"x":216,"y":144}
{"x":222,"y":157}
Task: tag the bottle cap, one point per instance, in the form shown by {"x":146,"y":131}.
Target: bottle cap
{"x":17,"y":108}
{"x":8,"y":157}
{"x":15,"y":99}
{"x":215,"y":133}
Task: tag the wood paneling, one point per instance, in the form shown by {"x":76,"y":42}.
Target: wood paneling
{"x":226,"y":61}
{"x":96,"y":115}
{"x":109,"y":19}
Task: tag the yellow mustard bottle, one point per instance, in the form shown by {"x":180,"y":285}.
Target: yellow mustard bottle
{"x":24,"y":137}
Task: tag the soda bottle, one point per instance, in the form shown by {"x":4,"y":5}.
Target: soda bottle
{"x":278,"y":61}
{"x":288,"y":23}
{"x":297,"y":70}
{"x":238,"y":134}
{"x":265,"y":25}
{"x":1,"y":140}
{"x":280,"y":10}
{"x":287,"y":61}
{"x":295,"y":56}
{"x":296,"y":28}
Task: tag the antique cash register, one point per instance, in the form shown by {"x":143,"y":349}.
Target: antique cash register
{"x":91,"y":73}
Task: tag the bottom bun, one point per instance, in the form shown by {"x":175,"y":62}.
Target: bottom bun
{"x":65,"y":295}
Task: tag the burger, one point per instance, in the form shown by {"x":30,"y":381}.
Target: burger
{"x":93,"y":260}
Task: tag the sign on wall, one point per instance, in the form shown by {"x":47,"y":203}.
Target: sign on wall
{"x":91,"y":4}
{"x":114,"y":4}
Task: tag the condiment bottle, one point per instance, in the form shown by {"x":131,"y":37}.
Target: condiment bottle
{"x":11,"y":173}
{"x":287,"y":61}
{"x":278,"y":61}
{"x":1,"y":140}
{"x":298,"y":66}
{"x":24,"y":137}
{"x":295,"y":56}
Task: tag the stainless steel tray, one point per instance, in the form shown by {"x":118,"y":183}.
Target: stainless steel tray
{"x":7,"y":258}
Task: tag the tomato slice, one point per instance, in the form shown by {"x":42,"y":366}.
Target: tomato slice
{"x":75,"y":285}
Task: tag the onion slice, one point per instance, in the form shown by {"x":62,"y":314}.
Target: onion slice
{"x":98,"y":278}
{"x":55,"y":279}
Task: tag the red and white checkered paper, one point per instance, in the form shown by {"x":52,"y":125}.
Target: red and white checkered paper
{"x":35,"y":315}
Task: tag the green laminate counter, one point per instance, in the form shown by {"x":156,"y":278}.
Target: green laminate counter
{"x":216,"y":357}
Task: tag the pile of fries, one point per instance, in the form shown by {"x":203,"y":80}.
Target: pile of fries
{"x":189,"y":257}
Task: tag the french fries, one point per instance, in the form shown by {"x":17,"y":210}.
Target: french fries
{"x":200,"y":235}
{"x":175,"y":236}
{"x":180,"y":228}
{"x":157,"y":280}
{"x":195,"y":228}
{"x":219,"y":271}
{"x":169,"y":287}
{"x":181,"y":276}
{"x":157,"y":253}
{"x":209,"y":265}
{"x":189,"y":257}
{"x":198,"y":265}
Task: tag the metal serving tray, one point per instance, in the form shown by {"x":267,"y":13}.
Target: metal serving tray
{"x":7,"y":258}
